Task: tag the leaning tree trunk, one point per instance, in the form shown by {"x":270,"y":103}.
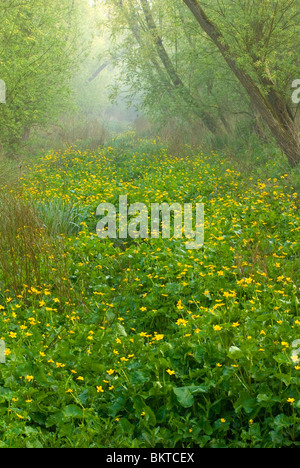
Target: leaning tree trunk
{"x":272,"y":107}
{"x":208,"y":120}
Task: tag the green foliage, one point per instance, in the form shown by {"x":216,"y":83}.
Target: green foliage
{"x":193,"y":80}
{"x":264,"y":37}
{"x":39,"y":47}
{"x":166,"y":347}
{"x":238,"y":78}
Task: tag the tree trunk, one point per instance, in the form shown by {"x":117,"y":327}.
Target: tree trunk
{"x":98,"y":71}
{"x":208,"y":120}
{"x":272,"y":107}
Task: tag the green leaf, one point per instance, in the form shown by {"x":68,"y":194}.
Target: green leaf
{"x":34,"y":444}
{"x":282,"y":421}
{"x":234,"y":352}
{"x":73,"y":411}
{"x":121,"y":330}
{"x":245,"y":401}
{"x":285,"y":378}
{"x":83,"y":397}
{"x":126,"y":427}
{"x":282,"y":359}
{"x":150,"y":416}
{"x":198,"y":354}
{"x":184,"y":396}
{"x":54,"y":419}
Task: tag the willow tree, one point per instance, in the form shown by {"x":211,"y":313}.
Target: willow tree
{"x":37,"y":54}
{"x":259,"y":40}
{"x":158,"y":53}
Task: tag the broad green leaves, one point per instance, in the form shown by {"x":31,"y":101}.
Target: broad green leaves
{"x":148,"y":344}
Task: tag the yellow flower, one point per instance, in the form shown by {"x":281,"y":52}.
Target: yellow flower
{"x":100,"y":389}
{"x":217,"y":328}
{"x":30,"y":378}
{"x":291,"y":400}
{"x":181,"y":322}
{"x":158,"y":337}
{"x":110,"y":372}
{"x":170,"y":372}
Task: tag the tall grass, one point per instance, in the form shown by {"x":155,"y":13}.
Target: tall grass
{"x":10,"y":171}
{"x":60,"y":218}
{"x":70,"y":130}
{"x":26,"y":249}
{"x":30,"y":255}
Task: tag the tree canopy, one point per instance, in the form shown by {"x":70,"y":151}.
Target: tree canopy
{"x":218,"y":69}
{"x":214,"y":62}
{"x":38,"y":50}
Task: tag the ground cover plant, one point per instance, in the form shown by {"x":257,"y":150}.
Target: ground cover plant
{"x":143,"y":343}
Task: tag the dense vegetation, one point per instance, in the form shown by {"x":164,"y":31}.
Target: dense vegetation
{"x":122,"y":342}
{"x":142,"y":343}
